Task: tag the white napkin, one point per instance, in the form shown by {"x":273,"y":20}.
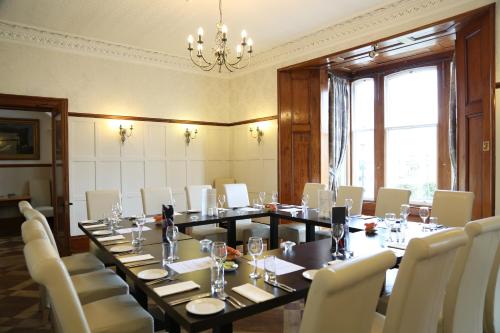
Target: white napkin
{"x":95,"y":226}
{"x":176,"y":288}
{"x":110,"y":238}
{"x":253,"y":293}
{"x":282,"y":266}
{"x":88,"y":221}
{"x":291,"y":210}
{"x":141,"y":257}
{"x":129,"y":230}
{"x":249,"y":209}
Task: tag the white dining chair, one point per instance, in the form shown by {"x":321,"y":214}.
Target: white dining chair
{"x":91,"y":286}
{"x":41,"y":197}
{"x":77,"y":263}
{"x":389,"y":200}
{"x":463,"y":310}
{"x":452,"y":208}
{"x":237,"y":197}
{"x":154,"y":197}
{"x":100,"y":202}
{"x":22,"y":205}
{"x":492,"y":303}
{"x":418,"y":294}
{"x":113,"y":314}
{"x":219,"y":185}
{"x":194,"y":194}
{"x":351,"y":192}
{"x":343,"y":298}
{"x":295,"y":231}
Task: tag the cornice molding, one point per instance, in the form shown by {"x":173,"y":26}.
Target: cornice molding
{"x":320,"y":42}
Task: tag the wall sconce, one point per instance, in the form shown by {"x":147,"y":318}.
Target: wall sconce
{"x":190,"y":135}
{"x":257,"y":135}
{"x":125,"y":133}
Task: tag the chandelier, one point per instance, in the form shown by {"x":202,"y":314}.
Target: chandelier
{"x":220,"y":51}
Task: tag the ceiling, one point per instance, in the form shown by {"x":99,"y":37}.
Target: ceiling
{"x":163,"y":25}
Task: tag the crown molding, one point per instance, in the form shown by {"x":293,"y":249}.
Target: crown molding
{"x":321,"y":42}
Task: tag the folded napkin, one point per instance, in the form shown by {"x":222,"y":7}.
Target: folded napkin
{"x":253,"y":293}
{"x":95,"y":226}
{"x":176,"y":288}
{"x":88,"y":221}
{"x":395,"y":245}
{"x":291,"y":210}
{"x":249,"y":209}
{"x":141,"y":257}
{"x":110,"y":238}
{"x":129,"y":230}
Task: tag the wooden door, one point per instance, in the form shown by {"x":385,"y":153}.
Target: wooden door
{"x":475,"y":63}
{"x":299,"y":98}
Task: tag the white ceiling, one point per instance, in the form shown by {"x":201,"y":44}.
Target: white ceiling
{"x":163,"y":25}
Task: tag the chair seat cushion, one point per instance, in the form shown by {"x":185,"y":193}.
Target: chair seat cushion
{"x":118,"y":314}
{"x":295,"y":232}
{"x":378,"y":323}
{"x":246,"y":229}
{"x":210,"y":232}
{"x":97,"y":285}
{"x":101,"y":255}
{"x":47,"y":211}
{"x":82,"y":263}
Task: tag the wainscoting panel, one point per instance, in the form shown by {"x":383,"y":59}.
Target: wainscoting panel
{"x":108,"y":175}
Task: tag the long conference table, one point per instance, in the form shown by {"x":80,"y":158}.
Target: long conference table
{"x":310,"y":255}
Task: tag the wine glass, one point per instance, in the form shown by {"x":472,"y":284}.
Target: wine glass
{"x":404,"y":212}
{"x":222,"y":200}
{"x":262,"y":198}
{"x":275,"y":197}
{"x":219,"y":253}
{"x":348,"y":205}
{"x":172,"y":233}
{"x":337,"y":234}
{"x":305,"y":201}
{"x":140,"y":221}
{"x":255,"y":248}
{"x":423,"y":212}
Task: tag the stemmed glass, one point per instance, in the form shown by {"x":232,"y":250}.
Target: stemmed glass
{"x":337,"y":234}
{"x":305,"y":201}
{"x":219,"y":253}
{"x":404,"y":212}
{"x":262,"y":198}
{"x":275,"y":197}
{"x":348,"y":205}
{"x":116,"y":214}
{"x":140,"y":221}
{"x":222,"y":200}
{"x":424,"y":214}
{"x":172,"y":232}
{"x":255,"y":248}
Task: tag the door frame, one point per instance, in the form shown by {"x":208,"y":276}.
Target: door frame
{"x":54,"y":106}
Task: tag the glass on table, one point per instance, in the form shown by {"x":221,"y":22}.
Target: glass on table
{"x":218,"y":253}
{"x":423,"y":212}
{"x":262,"y":198}
{"x":433,"y":222}
{"x":140,"y":221}
{"x":274,"y":198}
{"x":172,"y":233}
{"x":222,"y":200}
{"x":305,"y":201}
{"x":337,"y":234}
{"x":404,"y":212}
{"x":255,"y":248}
{"x":390,"y":223}
{"x":348,"y":206}
{"x":270,"y":268}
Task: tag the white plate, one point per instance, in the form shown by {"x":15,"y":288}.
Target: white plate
{"x":309,"y":274}
{"x":205,"y":306}
{"x":152,"y":274}
{"x":121,"y":248}
{"x":102,"y":232}
{"x":192,"y":211}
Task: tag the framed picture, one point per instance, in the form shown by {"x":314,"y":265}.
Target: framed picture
{"x":19,"y":139}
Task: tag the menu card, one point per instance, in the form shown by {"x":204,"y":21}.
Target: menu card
{"x":187,"y":266}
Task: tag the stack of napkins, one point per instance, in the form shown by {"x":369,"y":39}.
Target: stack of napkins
{"x":253,"y":293}
{"x":176,"y":288}
{"x":110,"y":238}
{"x":95,"y":226}
{"x":141,"y":257}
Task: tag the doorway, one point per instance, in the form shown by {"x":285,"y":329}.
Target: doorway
{"x":56,"y":163}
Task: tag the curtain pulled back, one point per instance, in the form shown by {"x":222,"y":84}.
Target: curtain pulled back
{"x":452,"y":142}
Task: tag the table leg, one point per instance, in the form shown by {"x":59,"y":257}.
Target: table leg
{"x":273,"y":232}
{"x":121,"y":273}
{"x":231,"y":233}
{"x":226,"y":328}
{"x":171,"y":326}
{"x":141,"y":297}
{"x":181,"y":228}
{"x":310,"y":233}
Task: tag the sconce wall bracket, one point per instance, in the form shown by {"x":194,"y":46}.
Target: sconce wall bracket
{"x":190,"y":135}
{"x":257,"y":135}
{"x":125,"y":133}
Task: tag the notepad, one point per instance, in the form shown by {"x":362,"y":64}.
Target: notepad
{"x":253,"y":293}
{"x":176,"y":288}
{"x":282,"y":266}
{"x":187,"y":266}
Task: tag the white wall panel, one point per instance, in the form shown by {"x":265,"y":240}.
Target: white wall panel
{"x":107,"y":140}
{"x":82,"y":179}
{"x":132,"y":206}
{"x":132,"y":178}
{"x":108,"y":175}
{"x":196,"y":148}
{"x":216,"y":169}
{"x":176,"y":175}
{"x":81,"y":139}
{"x":78,"y":212}
{"x":196,"y":173}
{"x":175,"y":145}
{"x":155,"y":173}
{"x":133,"y":148}
{"x":155,"y":138}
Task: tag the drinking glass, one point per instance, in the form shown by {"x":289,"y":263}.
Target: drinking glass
{"x":423,"y":212}
{"x":222,"y":200}
{"x":270,"y":268}
{"x":218,"y":254}
{"x":275,"y":197}
{"x":404,"y":212}
{"x":337,"y":234}
{"x":348,"y":205}
{"x":390,"y":221}
{"x":433,"y":222}
{"x":305,"y":201}
{"x":255,"y":248}
{"x":262,"y":198}
{"x":172,"y":232}
{"x":140,"y":221}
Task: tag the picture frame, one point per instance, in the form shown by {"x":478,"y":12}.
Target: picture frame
{"x":19,"y":139}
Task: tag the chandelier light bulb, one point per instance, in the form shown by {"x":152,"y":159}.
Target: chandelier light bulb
{"x":200,"y":31}
{"x":243,"y":34}
{"x":250,"y":42}
{"x":200,"y":47}
{"x":190,"y":39}
{"x":238,"y":51}
{"x":224,"y":29}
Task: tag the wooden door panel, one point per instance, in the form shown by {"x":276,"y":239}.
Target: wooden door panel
{"x":474,"y":181}
{"x":300,"y":163}
{"x":474,"y":91}
{"x":300,"y":102}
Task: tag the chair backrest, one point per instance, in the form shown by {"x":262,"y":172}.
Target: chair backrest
{"x":236,"y":195}
{"x":492,"y":304}
{"x":418,"y":293}
{"x":219,"y":185}
{"x":40,"y":192}
{"x":99,"y":203}
{"x":344,"y":297}
{"x":31,"y":230}
{"x":311,"y":189}
{"x":465,"y":296}
{"x":154,"y":197}
{"x":389,"y":200}
{"x":33,"y":214}
{"x":452,"y":208}
{"x":48,"y":270}
{"x":23,"y":205}
{"x":351,"y":192}
{"x":194,"y":195}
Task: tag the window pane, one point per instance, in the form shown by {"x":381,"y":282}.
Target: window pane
{"x":411,"y":97}
{"x":362,"y":136}
{"x":411,"y":113}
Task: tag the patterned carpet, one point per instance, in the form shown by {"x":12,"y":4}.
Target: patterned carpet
{"x":19,"y":300}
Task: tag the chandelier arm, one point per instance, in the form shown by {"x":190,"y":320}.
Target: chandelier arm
{"x":205,"y":60}
{"x":225,"y":65}
{"x":196,"y":63}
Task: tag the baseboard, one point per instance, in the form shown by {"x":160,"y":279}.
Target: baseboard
{"x":79,"y":244}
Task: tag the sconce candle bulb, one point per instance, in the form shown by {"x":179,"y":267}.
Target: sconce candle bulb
{"x":190,"y":135}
